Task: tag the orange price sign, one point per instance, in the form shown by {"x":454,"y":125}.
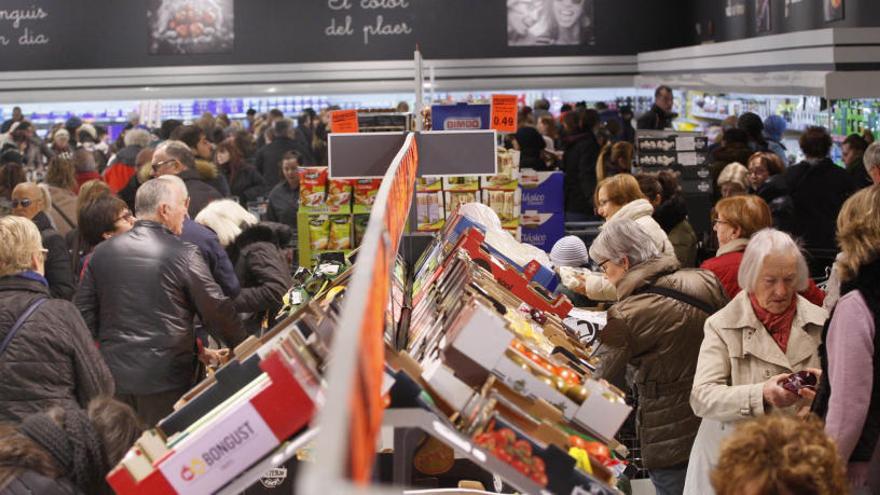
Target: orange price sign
{"x":344,"y":121}
{"x":504,"y":113}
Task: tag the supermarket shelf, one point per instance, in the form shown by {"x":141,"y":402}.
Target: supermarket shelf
{"x":277,"y":457}
{"x":434,"y":426}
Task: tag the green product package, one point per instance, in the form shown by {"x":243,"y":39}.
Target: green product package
{"x":340,"y":232}
{"x":319,"y":232}
{"x":360,"y":228}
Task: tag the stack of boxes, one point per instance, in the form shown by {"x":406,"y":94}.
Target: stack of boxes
{"x":437,"y":199}
{"x":543,"y":208}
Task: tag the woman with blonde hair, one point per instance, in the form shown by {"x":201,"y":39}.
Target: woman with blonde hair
{"x":849,"y":392}
{"x":255,"y":249}
{"x":61,"y":183}
{"x":615,"y":158}
{"x":733,"y":180}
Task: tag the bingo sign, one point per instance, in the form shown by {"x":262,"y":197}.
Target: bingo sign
{"x":460,"y":117}
{"x":204,"y":464}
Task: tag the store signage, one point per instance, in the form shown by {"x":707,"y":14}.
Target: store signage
{"x":344,"y":121}
{"x":504,"y":113}
{"x":206,"y":463}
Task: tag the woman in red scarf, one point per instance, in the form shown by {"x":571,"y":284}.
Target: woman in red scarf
{"x":766,"y":333}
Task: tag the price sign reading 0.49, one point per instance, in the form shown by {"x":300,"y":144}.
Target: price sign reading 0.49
{"x":504,"y":113}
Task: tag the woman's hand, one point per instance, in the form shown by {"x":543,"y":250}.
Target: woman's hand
{"x":775,"y":395}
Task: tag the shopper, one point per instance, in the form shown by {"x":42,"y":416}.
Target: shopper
{"x":570,"y":252}
{"x":49,"y":359}
{"x":615,"y":158}
{"x":670,"y":212}
{"x":63,"y":451}
{"x":284,"y":197}
{"x":143,"y":171}
{"x":86,"y":167}
{"x":762,"y":336}
{"x":245,"y":182}
{"x":11,"y":174}
{"x":124,"y":164}
{"x":102,"y":218}
{"x":176,"y":158}
{"x":580,"y":151}
{"x":734,"y":148}
{"x":196,"y":139}
{"x":767,"y":181}
{"x":530,"y":144}
{"x":17,"y":116}
{"x":60,"y":144}
{"x":853,"y":149}
{"x":733,"y":180}
{"x":818,"y":189}
{"x":269,"y":157}
{"x":871,"y":159}
{"x":781,"y":455}
{"x":256,"y":250}
{"x":61,"y":181}
{"x":549,"y":129}
{"x":34,"y":153}
{"x":774,"y":128}
{"x":660,"y":116}
{"x":753,"y":126}
{"x":656,"y":328}
{"x":735,"y":220}
{"x":849,"y":392}
{"x":32,"y":202}
{"x":155,"y":284}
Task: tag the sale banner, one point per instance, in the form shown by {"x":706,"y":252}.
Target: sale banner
{"x":504,"y":113}
{"x":344,"y":121}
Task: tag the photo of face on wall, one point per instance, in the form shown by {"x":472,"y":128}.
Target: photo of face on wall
{"x":186,"y":27}
{"x":762,"y":16}
{"x":550,"y":22}
{"x":833,"y":10}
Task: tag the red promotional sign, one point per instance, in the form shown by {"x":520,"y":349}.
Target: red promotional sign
{"x":344,"y":121}
{"x":504,"y":113}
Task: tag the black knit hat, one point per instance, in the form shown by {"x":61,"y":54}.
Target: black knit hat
{"x":76,"y":446}
{"x":11,"y":156}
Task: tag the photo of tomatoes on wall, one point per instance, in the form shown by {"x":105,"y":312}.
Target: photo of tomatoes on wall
{"x":182,"y":27}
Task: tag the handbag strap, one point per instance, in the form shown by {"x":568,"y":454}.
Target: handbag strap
{"x":64,"y":216}
{"x":19,"y":322}
{"x":674,"y":294}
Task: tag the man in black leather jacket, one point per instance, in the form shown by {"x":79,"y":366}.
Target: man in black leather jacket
{"x":139,"y":295}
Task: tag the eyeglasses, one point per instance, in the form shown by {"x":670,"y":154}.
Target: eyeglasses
{"x":157,"y":166}
{"x":127,"y":216}
{"x":717,"y":221}
{"x":602,"y":266}
{"x":23,"y":202}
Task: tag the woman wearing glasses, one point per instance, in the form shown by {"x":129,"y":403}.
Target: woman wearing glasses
{"x":735,"y":220}
{"x":655,"y":327}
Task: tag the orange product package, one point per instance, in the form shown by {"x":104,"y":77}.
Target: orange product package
{"x":312,"y":186}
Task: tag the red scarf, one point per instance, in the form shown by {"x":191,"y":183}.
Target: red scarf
{"x":779,"y":325}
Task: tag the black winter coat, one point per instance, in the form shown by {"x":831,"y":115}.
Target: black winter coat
{"x":213,"y":254}
{"x":775,"y":193}
{"x":248,"y":184}
{"x":51,"y":360}
{"x":59,"y":271}
{"x":200,"y":192}
{"x":268,"y":160}
{"x":33,"y":483}
{"x":655,"y":119}
{"x":817,"y":190}
{"x":139,"y":296}
{"x":579,"y":165}
{"x":262,"y":270}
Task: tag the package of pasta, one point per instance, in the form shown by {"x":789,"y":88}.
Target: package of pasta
{"x":319,"y":232}
{"x":312,"y":186}
{"x":365,"y":191}
{"x":340,"y":232}
{"x":360,"y":228}
{"x":339,"y":193}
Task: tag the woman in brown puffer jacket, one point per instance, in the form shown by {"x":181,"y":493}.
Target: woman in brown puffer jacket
{"x":656,"y":327}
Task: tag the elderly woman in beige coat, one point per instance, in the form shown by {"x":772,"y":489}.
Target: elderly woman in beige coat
{"x":766,"y":333}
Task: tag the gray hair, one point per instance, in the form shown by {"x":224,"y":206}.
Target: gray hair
{"x":872,"y":156}
{"x":156,"y":192}
{"x":622,"y":237}
{"x":179,"y":151}
{"x":138,"y":137}
{"x":226,"y":218}
{"x":765,"y":243}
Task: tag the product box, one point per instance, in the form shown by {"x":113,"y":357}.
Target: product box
{"x":506,"y":204}
{"x":455,"y":198}
{"x":542,"y":230}
{"x":461,"y":183}
{"x":542,"y":192}
{"x":430,"y":213}
{"x":429,"y":184}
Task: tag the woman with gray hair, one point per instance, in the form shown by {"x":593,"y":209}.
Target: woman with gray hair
{"x":256,"y":251}
{"x":655,"y":327}
{"x":752,"y":348}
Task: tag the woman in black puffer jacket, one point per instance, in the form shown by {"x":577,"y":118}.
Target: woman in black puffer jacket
{"x":256,"y":251}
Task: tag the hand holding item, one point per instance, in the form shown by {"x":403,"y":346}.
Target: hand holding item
{"x":777,"y":396}
{"x":213,"y":358}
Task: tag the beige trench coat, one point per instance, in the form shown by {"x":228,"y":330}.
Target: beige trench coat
{"x":737,"y":356}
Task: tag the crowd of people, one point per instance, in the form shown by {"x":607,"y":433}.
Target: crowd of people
{"x":126,"y":267}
